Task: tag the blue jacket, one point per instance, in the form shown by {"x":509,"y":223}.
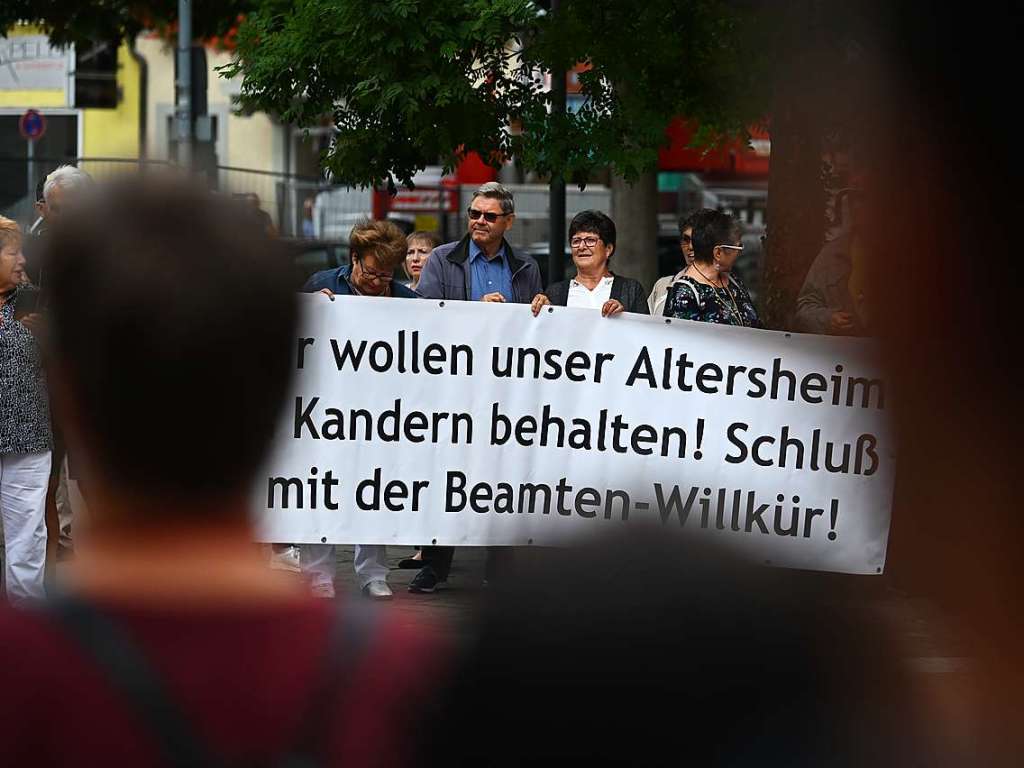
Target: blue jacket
{"x":337,"y":280}
{"x":447,"y":274}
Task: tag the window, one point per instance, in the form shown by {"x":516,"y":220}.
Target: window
{"x":96,"y":76}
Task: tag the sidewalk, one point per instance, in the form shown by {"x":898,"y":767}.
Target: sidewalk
{"x":451,"y":609}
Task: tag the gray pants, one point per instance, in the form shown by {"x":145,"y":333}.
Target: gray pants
{"x":320,"y":563}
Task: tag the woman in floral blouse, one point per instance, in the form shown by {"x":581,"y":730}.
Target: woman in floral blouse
{"x":25,"y":438}
{"x":707,"y":290}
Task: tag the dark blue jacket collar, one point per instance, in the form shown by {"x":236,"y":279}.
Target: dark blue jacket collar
{"x":338,"y":281}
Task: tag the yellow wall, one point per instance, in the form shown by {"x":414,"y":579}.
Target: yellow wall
{"x":245,"y":141}
{"x":32,"y":99}
{"x":105,"y":132}
{"x":115,"y":132}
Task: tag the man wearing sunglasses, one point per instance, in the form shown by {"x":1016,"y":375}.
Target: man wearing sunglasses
{"x":480,"y":267}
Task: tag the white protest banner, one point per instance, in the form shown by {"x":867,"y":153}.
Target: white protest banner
{"x":457,"y":423}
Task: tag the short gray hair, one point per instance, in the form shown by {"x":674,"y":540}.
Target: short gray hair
{"x":496,"y":191}
{"x":65,"y":177}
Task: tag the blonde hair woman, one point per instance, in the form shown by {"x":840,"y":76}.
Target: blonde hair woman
{"x":26,"y":441}
{"x":417,"y":250}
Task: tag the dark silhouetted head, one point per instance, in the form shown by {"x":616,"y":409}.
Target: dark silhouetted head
{"x":172,"y":323}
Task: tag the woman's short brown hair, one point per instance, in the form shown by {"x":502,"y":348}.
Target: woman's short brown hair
{"x":381,"y":239}
{"x":9,"y":231}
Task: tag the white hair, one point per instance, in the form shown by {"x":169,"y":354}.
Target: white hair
{"x":499,"y":192}
{"x":65,"y":177}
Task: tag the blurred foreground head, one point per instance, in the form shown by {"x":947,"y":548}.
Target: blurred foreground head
{"x":647,"y":650}
{"x":171,"y":322}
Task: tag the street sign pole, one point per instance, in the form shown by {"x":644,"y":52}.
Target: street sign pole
{"x":32,"y":126}
{"x":183,"y":110}
{"x":31,"y":182}
{"x":556,"y":190}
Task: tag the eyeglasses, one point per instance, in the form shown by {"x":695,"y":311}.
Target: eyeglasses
{"x":731,"y":247}
{"x":384,"y":277}
{"x":489,"y":216}
{"x":686,"y":239}
{"x":588,"y":242}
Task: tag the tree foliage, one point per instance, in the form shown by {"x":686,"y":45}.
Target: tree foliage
{"x":648,"y":63}
{"x":407,"y":82}
{"x":82,"y":22}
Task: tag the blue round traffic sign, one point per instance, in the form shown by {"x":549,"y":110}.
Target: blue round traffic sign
{"x":32,"y":125}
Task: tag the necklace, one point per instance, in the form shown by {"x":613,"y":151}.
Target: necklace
{"x":710,"y":281}
{"x":734,"y":309}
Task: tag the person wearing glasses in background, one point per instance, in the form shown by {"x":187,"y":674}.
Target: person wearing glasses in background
{"x":482,"y":266}
{"x":592,"y":240}
{"x":707,"y":290}
{"x":377,"y":249}
{"x":656,"y":301}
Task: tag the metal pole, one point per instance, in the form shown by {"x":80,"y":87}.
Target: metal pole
{"x":31,"y":178}
{"x":183,"y":111}
{"x":556,"y":205}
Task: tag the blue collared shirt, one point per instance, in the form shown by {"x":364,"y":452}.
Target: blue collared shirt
{"x":489,"y":275}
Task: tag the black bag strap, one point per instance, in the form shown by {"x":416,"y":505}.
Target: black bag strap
{"x":348,"y":644}
{"x":119,"y":657}
{"x":124,"y":665}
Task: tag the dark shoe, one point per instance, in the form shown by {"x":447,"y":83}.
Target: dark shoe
{"x":410,"y":563}
{"x":425,"y":582}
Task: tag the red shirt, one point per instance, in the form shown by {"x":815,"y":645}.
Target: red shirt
{"x":243,"y":676}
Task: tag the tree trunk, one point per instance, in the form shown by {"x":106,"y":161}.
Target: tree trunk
{"x":796,"y":210}
{"x":803,"y":102}
{"x":635,"y":212}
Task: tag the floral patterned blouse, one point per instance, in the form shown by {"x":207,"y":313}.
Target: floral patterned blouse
{"x":691,"y":300}
{"x":24,"y":402}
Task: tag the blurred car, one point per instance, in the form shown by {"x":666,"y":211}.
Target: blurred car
{"x":311,"y":256}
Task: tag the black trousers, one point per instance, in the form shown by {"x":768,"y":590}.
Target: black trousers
{"x":499,"y":560}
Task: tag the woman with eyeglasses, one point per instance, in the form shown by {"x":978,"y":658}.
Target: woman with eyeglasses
{"x":377,"y":248}
{"x":707,"y":290}
{"x":592,"y":240}
{"x":656,"y":301}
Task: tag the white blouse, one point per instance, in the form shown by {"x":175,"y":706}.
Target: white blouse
{"x":581,"y":296}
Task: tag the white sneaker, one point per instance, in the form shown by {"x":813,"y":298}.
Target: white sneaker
{"x":323,"y":589}
{"x":285,"y":559}
{"x":378,"y":590}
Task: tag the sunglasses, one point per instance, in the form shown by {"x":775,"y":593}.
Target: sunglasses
{"x":489,"y":216}
{"x":731,"y":247}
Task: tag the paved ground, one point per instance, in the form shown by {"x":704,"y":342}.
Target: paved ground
{"x":451,"y":609}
